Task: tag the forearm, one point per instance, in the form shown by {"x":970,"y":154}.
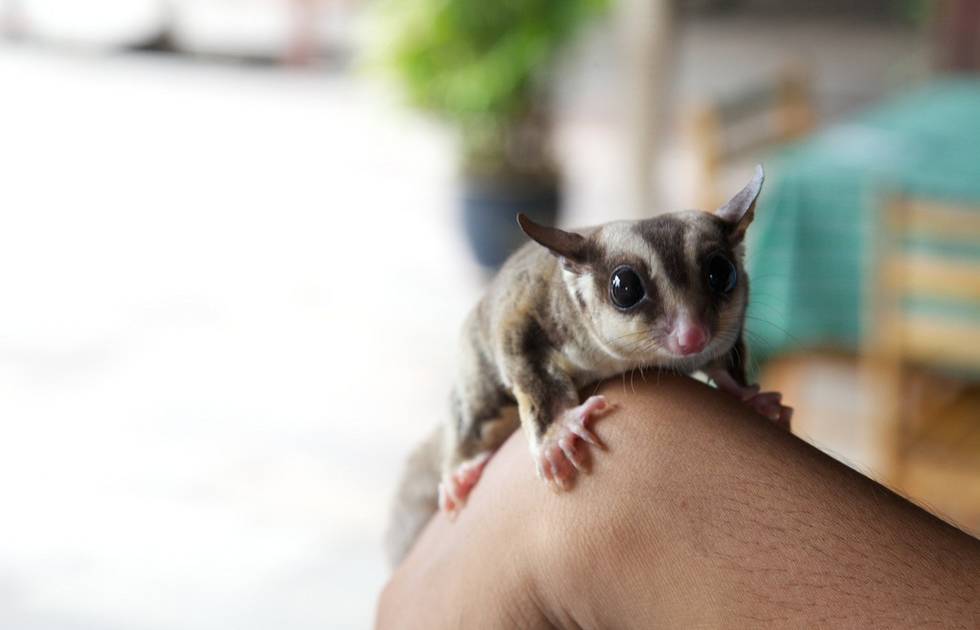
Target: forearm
{"x":700,"y":513}
{"x":704,"y":514}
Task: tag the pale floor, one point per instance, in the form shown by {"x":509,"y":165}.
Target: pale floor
{"x":228,"y":304}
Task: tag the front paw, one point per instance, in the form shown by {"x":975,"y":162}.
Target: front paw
{"x":769,"y":404}
{"x":562,"y":452}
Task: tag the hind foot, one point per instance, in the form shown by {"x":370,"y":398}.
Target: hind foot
{"x":455,"y":487}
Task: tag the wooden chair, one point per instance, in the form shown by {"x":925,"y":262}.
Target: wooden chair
{"x":733,"y":128}
{"x":923,"y":364}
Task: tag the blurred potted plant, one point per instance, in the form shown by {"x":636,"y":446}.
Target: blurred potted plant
{"x":484,"y":65}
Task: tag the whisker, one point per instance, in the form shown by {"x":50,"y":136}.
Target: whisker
{"x":777,"y":326}
{"x":756,"y":338}
{"x":632,"y":334}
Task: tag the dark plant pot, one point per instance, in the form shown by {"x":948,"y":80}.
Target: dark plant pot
{"x":490,"y":210}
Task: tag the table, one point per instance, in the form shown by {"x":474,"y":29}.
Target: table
{"x":810,"y":249}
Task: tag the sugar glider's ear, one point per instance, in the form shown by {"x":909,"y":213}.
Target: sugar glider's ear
{"x":569,"y":247}
{"x":740,"y":209}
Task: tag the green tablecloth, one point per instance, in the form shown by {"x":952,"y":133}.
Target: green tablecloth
{"x":809,"y":249}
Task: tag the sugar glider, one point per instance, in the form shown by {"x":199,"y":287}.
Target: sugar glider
{"x":570,"y":309}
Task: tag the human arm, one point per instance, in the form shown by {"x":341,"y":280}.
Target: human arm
{"x":700,"y":513}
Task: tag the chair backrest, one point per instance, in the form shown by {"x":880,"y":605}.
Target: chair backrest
{"x":927,"y":296}
{"x":743,"y":123}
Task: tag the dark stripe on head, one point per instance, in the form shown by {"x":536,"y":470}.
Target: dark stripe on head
{"x":665,"y":234}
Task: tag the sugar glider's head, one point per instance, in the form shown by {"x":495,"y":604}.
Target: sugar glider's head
{"x":670,"y":290}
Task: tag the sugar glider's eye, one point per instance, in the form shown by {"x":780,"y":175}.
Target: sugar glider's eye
{"x":625,"y":287}
{"x":721,"y":273}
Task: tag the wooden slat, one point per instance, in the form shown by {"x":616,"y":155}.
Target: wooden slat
{"x":769,"y":113}
{"x":930,"y":218}
{"x":932,"y":276}
{"x":939,"y":342}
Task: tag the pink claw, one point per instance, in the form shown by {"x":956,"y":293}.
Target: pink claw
{"x":575,"y":456}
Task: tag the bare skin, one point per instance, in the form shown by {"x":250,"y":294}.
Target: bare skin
{"x":699,"y":514}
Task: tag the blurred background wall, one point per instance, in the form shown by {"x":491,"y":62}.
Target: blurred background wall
{"x":238,"y":238}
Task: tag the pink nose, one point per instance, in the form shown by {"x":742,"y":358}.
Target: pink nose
{"x":689,"y":337}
